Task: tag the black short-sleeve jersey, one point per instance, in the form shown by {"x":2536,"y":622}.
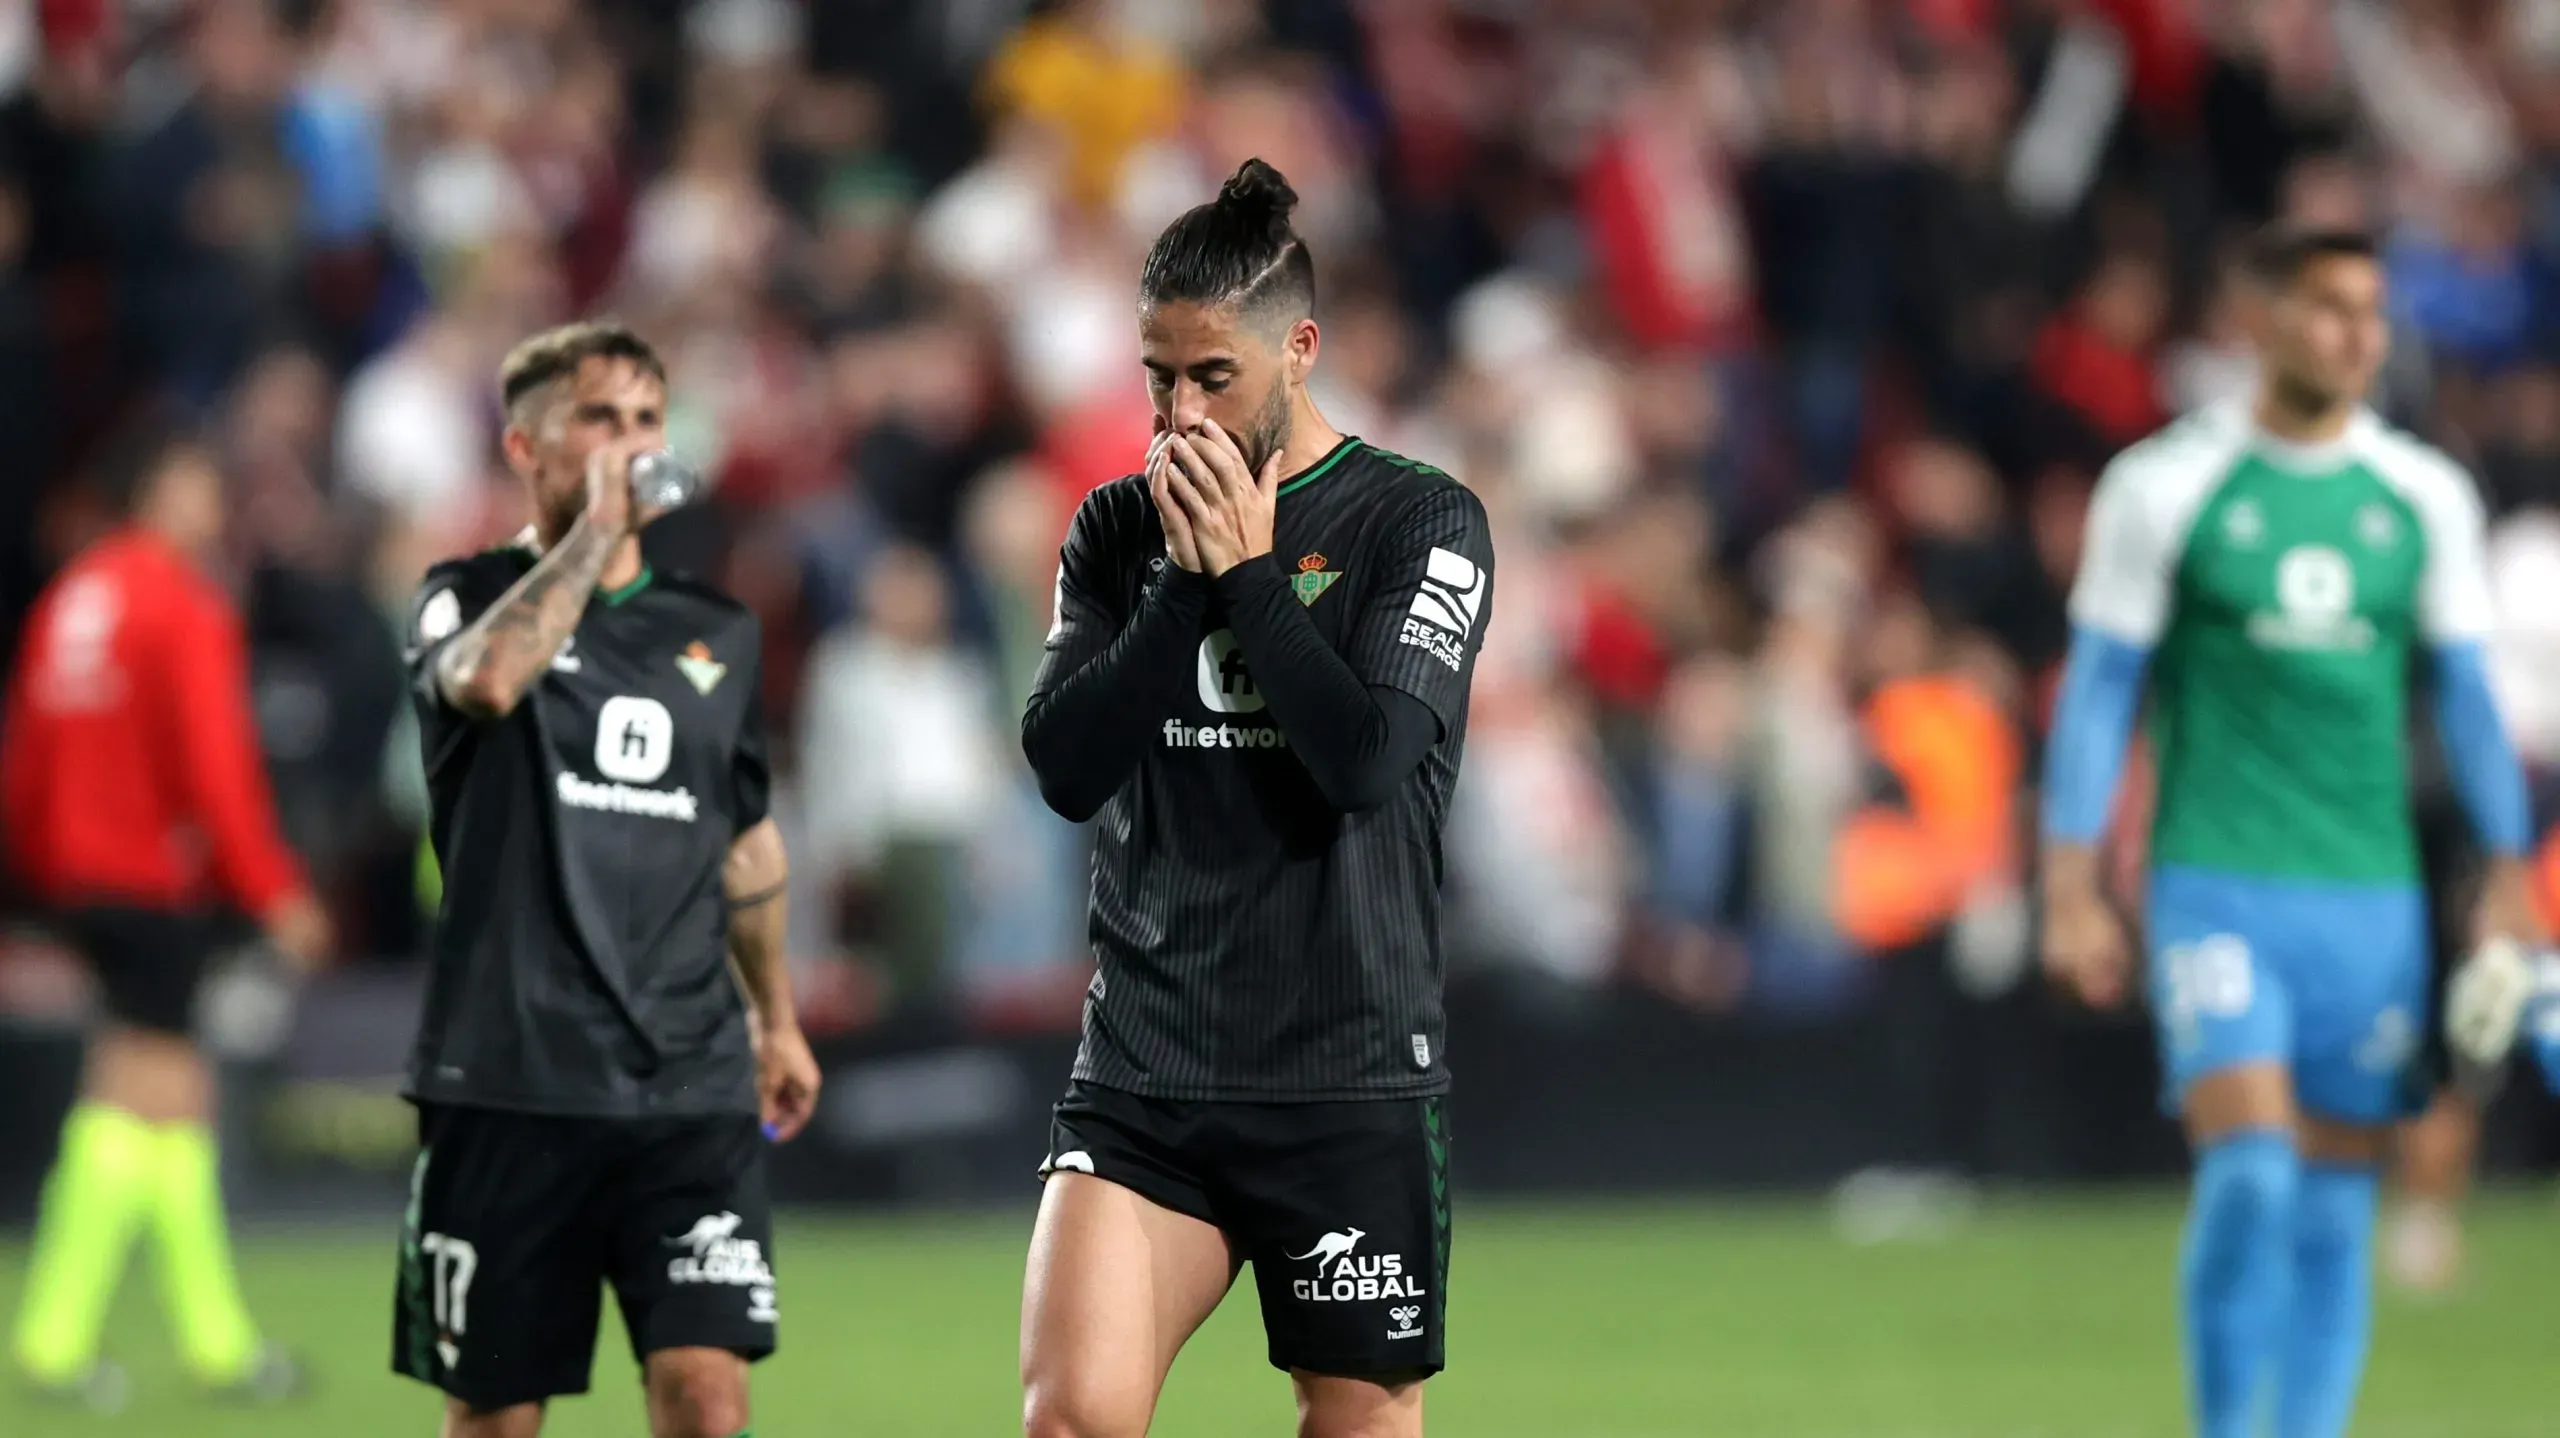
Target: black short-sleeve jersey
{"x":580,"y":962}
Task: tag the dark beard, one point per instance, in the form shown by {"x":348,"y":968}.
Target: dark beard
{"x":553,"y":521}
{"x":1269,"y":432}
{"x":2299,"y":398}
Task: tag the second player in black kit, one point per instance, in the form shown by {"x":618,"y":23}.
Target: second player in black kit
{"x":582,"y":843}
{"x":1269,"y":748}
{"x":586,"y":1077}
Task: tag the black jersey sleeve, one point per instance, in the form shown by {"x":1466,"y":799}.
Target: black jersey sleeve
{"x":751,"y":767}
{"x":1111,"y":670}
{"x":1357,"y":741}
{"x":1425,"y":617}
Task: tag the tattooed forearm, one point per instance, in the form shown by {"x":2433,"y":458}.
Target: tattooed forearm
{"x":490,"y":664}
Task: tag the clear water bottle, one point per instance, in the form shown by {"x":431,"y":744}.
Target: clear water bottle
{"x":660,"y":481}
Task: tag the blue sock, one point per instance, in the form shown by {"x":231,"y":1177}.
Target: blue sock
{"x":2236,"y":1275}
{"x":2332,"y":1301}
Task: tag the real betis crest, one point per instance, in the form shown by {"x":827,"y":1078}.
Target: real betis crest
{"x":1312,"y":579}
{"x":698,"y":666}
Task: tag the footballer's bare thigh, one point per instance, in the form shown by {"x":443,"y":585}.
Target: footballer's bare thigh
{"x":2259,"y":1096}
{"x":1114,"y":1287}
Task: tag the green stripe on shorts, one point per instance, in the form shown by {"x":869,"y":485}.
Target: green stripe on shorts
{"x":1435,"y":1145}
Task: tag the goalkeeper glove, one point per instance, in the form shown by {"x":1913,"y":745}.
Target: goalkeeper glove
{"x":2484,"y":1006}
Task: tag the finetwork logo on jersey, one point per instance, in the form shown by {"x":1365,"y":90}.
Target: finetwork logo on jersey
{"x":1226,"y":687}
{"x":1178,"y":735}
{"x":1226,"y":684}
{"x":1345,"y":1275}
{"x":1444,"y":608}
{"x":714,"y":1253}
{"x":635,"y":741}
{"x":2315,"y":604}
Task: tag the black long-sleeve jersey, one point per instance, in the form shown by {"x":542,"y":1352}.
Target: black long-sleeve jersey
{"x":1272,"y":754}
{"x":581,"y":962}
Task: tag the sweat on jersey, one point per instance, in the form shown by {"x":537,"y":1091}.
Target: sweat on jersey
{"x":580,"y":963}
{"x":2277,"y":592}
{"x":1265,"y":914}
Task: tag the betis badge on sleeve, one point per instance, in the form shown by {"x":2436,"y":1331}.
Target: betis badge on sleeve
{"x":1312,"y":579}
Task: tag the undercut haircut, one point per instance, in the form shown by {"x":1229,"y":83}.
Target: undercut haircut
{"x":2279,"y":255}
{"x":555,"y":354}
{"x":1238,"y":251}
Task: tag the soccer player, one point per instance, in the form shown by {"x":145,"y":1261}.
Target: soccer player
{"x":1257,"y":677}
{"x":2267,"y":574}
{"x":588,"y":1073}
{"x":136,"y":802}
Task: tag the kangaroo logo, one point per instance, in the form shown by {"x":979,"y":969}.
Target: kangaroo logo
{"x":714,"y":1253}
{"x":707,"y":1230}
{"x":1341,"y":1276}
{"x":1331,"y":1247}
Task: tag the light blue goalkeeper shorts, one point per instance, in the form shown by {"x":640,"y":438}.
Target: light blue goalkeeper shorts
{"x":2331,"y":980}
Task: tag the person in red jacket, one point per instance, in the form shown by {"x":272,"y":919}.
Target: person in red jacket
{"x":134,"y":805}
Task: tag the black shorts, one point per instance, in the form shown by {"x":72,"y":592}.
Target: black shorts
{"x":148,"y":962}
{"x":1342,"y":1208}
{"x":516,"y":1222}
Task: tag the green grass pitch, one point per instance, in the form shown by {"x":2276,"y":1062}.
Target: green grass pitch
{"x":2043,"y":1318}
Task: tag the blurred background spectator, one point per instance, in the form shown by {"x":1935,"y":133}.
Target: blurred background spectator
{"x":1783,"y":342}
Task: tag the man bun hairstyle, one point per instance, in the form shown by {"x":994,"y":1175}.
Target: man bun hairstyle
{"x":555,"y":354}
{"x":1239,"y":250}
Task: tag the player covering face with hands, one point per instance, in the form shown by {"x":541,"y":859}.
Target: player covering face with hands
{"x":1215,"y":492}
{"x":2268,"y":577}
{"x":1256,"y":684}
{"x":610,"y":1037}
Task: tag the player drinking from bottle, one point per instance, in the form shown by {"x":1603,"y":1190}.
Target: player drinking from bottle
{"x":608,"y":1008}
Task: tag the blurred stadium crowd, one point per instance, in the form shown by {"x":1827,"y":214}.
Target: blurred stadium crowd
{"x":1783,"y":341}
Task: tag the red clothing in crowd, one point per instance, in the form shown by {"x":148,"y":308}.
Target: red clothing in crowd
{"x":130,"y":770}
{"x":1616,"y":650}
{"x":2165,"y":51}
{"x":2114,"y":389}
{"x":1666,"y":235}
